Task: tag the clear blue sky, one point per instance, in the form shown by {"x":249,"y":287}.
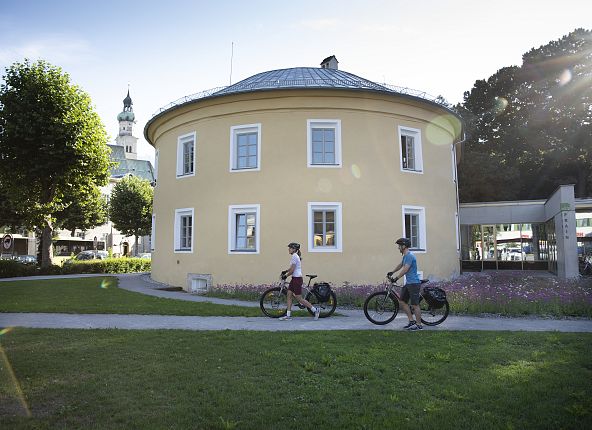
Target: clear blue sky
{"x":169,"y":49}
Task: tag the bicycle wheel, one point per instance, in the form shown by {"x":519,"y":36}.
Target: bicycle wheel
{"x":430,"y":316}
{"x":381,"y":308}
{"x":274,"y":302}
{"x":327,"y":308}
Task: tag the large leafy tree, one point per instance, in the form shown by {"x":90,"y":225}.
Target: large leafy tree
{"x":130,"y":208}
{"x":530,"y":127}
{"x":52,"y":146}
{"x":84,"y":212}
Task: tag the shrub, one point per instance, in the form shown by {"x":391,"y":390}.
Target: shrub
{"x":13,"y":268}
{"x":109,"y":265}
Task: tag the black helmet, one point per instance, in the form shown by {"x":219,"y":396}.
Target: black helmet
{"x":404,"y":242}
{"x":294,"y":245}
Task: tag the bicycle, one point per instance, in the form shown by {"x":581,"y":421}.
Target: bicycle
{"x":382,"y":307}
{"x":274,"y":301}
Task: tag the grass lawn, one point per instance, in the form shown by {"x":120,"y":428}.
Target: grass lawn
{"x":117,"y":379}
{"x":101,"y":295}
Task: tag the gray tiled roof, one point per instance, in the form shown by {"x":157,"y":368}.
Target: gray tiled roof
{"x":301,"y":77}
{"x":124,"y":166}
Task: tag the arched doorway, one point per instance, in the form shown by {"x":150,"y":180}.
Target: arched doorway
{"x":125,"y":249}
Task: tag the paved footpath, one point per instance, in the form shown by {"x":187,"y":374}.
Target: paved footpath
{"x":348,"y":319}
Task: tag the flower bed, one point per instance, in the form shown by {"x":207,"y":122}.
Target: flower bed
{"x":505,"y":293}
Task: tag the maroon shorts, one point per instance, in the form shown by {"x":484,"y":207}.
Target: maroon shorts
{"x":296,"y":285}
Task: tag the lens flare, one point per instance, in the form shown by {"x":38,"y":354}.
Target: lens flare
{"x":5,"y":330}
{"x":500,"y":105}
{"x":565,"y":77}
{"x":356,"y":171}
{"x":439,"y":128}
{"x":5,"y":365}
{"x":104,"y":284}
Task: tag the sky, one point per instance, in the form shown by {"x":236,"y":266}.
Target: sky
{"x":165,"y":50}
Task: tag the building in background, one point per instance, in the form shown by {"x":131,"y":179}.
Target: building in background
{"x":124,"y":152}
{"x":318,"y":156}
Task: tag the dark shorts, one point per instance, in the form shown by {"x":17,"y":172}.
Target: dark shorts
{"x":410,"y":293}
{"x":296,"y":285}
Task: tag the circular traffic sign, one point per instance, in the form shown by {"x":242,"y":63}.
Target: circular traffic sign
{"x":7,"y":242}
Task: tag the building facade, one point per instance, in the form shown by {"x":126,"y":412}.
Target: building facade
{"x":318,"y":156}
{"x":549,"y":235}
{"x":124,"y":154}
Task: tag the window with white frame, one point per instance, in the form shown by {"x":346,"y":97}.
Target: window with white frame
{"x":186,"y":155}
{"x":414,"y":226}
{"x":245,"y":147}
{"x":243,"y":229}
{"x":410,"y":150}
{"x":324,"y":142}
{"x":184,"y":230}
{"x":324,"y":227}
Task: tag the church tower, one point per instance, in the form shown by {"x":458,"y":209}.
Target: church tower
{"x":126,"y":121}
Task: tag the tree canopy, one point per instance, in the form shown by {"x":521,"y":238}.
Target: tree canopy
{"x":530,"y":127}
{"x":130,"y":208}
{"x":52,"y":146}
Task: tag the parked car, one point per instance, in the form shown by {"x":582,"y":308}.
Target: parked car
{"x":27,"y":259}
{"x":88,"y":255}
{"x":145,"y":255}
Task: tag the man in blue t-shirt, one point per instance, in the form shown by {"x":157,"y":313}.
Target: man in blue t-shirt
{"x":410,"y":291}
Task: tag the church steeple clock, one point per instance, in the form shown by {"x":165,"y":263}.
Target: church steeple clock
{"x":126,"y":121}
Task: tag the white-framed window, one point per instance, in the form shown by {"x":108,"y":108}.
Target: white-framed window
{"x":243,"y":229}
{"x":183,"y":237}
{"x":245,"y":147}
{"x":186,"y":155}
{"x":324,"y":227}
{"x":414,"y":227}
{"x":323,"y":142}
{"x":410,"y":150}
{"x":153,"y":233}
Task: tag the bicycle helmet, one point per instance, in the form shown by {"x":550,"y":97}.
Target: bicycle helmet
{"x":404,"y":242}
{"x":294,"y":245}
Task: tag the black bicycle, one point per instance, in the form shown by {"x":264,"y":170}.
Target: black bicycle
{"x":382,"y":307}
{"x":274,"y":301}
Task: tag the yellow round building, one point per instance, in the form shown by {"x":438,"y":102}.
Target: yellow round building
{"x":318,"y":156}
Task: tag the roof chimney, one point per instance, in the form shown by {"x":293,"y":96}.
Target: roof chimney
{"x":330,"y":63}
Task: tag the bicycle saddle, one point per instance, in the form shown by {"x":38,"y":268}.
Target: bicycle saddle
{"x":312,"y":276}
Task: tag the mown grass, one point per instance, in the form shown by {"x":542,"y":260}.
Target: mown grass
{"x":172,"y":379}
{"x":101,"y":295}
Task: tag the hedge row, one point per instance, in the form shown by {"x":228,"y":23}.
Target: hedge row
{"x":11,"y":268}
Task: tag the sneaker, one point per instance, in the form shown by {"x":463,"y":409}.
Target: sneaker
{"x":285,"y":318}
{"x":409,"y":325}
{"x":415,"y":327}
{"x":317,"y":313}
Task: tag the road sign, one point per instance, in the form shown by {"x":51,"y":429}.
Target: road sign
{"x":7,"y":242}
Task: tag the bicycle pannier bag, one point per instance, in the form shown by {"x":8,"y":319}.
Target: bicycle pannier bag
{"x":323,"y":291}
{"x":436,"y":297}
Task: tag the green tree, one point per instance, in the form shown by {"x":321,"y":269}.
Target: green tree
{"x":530,"y":127}
{"x":130,"y":208}
{"x":52,"y":145}
{"x":84,"y":212}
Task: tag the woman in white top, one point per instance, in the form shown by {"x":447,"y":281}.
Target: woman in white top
{"x":295,"y":288}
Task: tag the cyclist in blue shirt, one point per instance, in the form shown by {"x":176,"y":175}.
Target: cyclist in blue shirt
{"x":410,"y":291}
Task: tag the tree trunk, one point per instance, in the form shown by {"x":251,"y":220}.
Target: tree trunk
{"x":136,"y":246}
{"x":47,"y":244}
